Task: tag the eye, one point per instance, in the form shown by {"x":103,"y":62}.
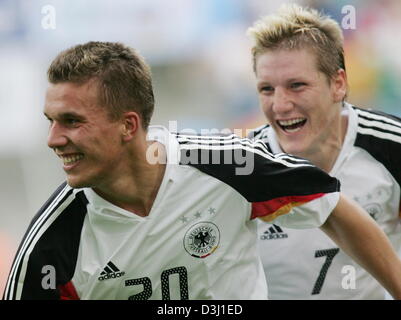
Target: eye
{"x":297,"y":85}
{"x":266,"y":89}
{"x":71,"y":122}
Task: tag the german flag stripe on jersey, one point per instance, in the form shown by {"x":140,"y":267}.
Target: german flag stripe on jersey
{"x":270,"y":210}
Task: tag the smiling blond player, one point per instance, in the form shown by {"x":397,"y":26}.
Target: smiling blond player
{"x":302,"y":84}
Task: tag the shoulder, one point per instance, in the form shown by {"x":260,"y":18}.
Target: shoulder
{"x":59,"y":202}
{"x":379,"y":134}
{"x":248,"y":167}
{"x":52,"y":239}
{"x":261,"y":133}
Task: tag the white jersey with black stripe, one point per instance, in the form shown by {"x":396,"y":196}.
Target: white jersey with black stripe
{"x":198,"y":241}
{"x":306,"y":264}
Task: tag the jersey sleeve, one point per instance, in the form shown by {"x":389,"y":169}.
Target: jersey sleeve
{"x":287,"y":189}
{"x":293,"y":193}
{"x":45,"y":260}
{"x":380,"y":135}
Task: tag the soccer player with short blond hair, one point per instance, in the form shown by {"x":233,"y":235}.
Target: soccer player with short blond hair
{"x":298,"y":60}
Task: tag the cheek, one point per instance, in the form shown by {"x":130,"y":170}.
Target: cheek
{"x":265,"y":106}
{"x":97,"y":147}
{"x":324,"y":118}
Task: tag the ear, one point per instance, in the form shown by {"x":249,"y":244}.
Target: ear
{"x":130,"y":126}
{"x":339,"y":85}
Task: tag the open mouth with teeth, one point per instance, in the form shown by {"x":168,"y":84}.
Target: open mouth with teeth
{"x":292,"y":125}
{"x":70,"y":160}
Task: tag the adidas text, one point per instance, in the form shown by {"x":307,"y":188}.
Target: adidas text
{"x":111,"y":276}
{"x":273,"y":236}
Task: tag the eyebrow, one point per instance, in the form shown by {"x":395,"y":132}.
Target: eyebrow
{"x":263,"y":82}
{"x":297,"y":79}
{"x":66,"y":115}
{"x":293,"y":79}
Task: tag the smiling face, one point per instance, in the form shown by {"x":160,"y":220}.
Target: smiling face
{"x":299,"y":101}
{"x":82,"y":135}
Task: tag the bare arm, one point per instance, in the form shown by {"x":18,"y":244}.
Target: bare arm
{"x":362,"y":239}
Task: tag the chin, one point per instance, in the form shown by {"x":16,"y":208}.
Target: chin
{"x":292,"y":147}
{"x":78,"y":183}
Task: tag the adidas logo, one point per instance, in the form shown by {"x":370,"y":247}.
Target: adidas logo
{"x":274,"y":232}
{"x":110,"y":271}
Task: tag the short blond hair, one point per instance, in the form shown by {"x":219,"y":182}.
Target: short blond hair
{"x":296,"y":27}
{"x":122,"y":75}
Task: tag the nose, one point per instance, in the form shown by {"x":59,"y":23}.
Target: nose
{"x":56,"y":137}
{"x":282,"y":103}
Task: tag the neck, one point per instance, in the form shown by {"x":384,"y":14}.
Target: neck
{"x":136,"y":188}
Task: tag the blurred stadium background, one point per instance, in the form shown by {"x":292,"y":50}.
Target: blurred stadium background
{"x":201,"y":63}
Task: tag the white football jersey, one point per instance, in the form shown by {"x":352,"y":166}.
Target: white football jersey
{"x":199,"y":240}
{"x":307,"y":264}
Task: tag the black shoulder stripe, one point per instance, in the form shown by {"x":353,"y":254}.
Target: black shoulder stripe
{"x":377,"y":119}
{"x":380,"y":129}
{"x":224,"y":144}
{"x":385,"y":151}
{"x":261,"y":134}
{"x":382,"y":142}
{"x":211,"y":140}
{"x":268,"y":146}
{"x":267,"y":177}
{"x":381,"y":118}
{"x":378,"y":116}
{"x":235,"y":148}
{"x":220,"y":136}
{"x":57,"y":247}
{"x":48,"y":202}
{"x":262,"y":137}
{"x":290,"y":158}
{"x":41,"y":226}
{"x":54,"y":201}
